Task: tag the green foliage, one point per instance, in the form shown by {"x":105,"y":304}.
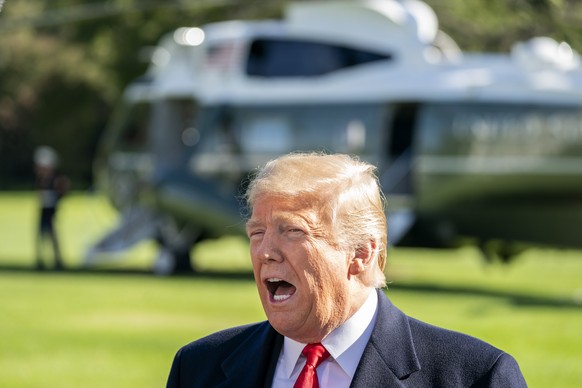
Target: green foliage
{"x":113,"y":327}
{"x":63,"y":66}
{"x":495,"y":25}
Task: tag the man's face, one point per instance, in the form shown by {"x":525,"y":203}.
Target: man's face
{"x":302,"y":278}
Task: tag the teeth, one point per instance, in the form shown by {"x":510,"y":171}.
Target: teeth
{"x":274,"y":287}
{"x":279,"y":298}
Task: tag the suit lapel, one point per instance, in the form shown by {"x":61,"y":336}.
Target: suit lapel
{"x":253,"y":363}
{"x":389,"y":356}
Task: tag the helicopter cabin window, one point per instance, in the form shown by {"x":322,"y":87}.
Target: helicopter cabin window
{"x":266,"y":135}
{"x":236,"y":140}
{"x":300,"y":58}
{"x":337,"y":128}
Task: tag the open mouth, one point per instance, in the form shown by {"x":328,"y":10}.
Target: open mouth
{"x":279,"y":289}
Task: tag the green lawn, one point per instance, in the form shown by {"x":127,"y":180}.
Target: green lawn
{"x":118,"y":328}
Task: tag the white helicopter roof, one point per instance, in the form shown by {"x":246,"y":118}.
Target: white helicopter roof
{"x":208,"y":62}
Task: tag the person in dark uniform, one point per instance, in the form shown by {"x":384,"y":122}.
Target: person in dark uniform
{"x":51,"y":187}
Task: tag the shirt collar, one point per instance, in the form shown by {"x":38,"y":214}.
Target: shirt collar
{"x":345,"y":344}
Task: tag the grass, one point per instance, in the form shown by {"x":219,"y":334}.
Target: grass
{"x":116,"y":327}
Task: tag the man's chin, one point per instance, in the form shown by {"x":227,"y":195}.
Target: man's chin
{"x":283,"y":322}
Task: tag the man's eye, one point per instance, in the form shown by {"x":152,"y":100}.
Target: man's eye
{"x":256,"y":233}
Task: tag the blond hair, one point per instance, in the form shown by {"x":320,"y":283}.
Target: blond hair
{"x":344,"y":189}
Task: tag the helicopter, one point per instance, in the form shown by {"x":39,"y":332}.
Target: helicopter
{"x":471,"y":148}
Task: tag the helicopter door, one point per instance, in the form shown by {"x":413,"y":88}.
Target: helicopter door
{"x":397,"y":177}
{"x":172,"y":131}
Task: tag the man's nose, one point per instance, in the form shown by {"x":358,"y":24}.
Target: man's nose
{"x":269,"y":249}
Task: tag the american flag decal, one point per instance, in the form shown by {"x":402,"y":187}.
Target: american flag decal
{"x":223,"y":56}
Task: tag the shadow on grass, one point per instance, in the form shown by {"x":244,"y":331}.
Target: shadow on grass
{"x":514,"y":298}
{"x":204,"y":274}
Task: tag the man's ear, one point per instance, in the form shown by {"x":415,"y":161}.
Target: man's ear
{"x":363,"y":256}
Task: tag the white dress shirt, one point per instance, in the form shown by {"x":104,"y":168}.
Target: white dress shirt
{"x":345,"y":345}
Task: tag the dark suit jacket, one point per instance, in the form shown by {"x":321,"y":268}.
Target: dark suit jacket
{"x":402,"y":352}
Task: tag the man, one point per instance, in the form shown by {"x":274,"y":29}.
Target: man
{"x":51,"y":187}
{"x":318,"y":244}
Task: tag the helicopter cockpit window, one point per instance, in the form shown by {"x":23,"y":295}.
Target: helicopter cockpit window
{"x":296,"y":58}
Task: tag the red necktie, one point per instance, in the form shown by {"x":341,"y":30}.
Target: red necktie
{"x":315,"y":354}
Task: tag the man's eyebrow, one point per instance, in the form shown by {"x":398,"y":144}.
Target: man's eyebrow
{"x":253,"y":224}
